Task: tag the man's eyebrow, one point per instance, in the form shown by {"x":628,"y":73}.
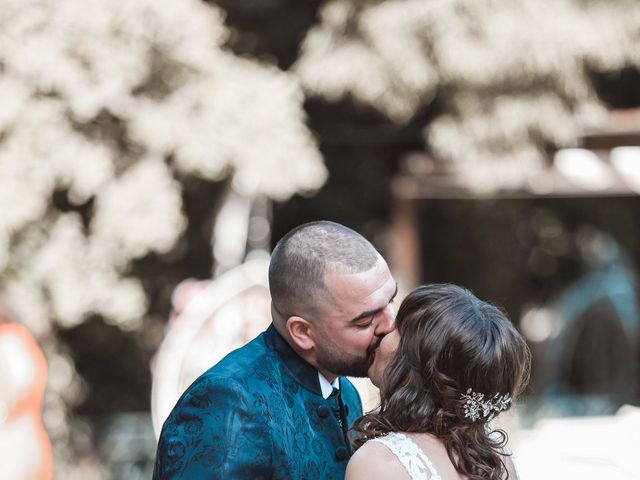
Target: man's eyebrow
{"x":370,"y":313}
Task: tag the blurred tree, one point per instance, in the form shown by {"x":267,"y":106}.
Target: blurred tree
{"x":116,"y":117}
{"x":510,"y":78}
{"x":114,"y":110}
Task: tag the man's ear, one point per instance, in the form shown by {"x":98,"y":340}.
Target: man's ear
{"x":301,"y":332}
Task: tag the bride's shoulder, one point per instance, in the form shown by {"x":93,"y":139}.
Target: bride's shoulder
{"x":374,"y":460}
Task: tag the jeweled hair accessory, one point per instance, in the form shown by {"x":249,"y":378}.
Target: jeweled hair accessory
{"x":476,"y":406}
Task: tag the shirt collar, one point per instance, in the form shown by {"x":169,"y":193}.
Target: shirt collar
{"x":326,"y":386}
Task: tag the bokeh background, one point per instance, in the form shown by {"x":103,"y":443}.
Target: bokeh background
{"x":153,"y":152}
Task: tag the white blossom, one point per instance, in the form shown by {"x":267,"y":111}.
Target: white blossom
{"x":97,"y":96}
{"x":131,"y":219}
{"x":510,"y":75}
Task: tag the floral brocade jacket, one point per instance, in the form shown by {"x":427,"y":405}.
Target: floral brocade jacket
{"x":257,"y":414}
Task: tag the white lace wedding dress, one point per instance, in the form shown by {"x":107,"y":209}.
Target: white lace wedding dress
{"x":411,"y":456}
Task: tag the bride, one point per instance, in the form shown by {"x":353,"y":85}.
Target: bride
{"x":453,"y":363}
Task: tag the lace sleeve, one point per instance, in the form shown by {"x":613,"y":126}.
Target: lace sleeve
{"x":410,"y":455}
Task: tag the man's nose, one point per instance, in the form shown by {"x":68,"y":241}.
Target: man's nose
{"x":387,"y":321}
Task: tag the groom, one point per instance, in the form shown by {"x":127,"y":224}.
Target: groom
{"x":279,"y":407}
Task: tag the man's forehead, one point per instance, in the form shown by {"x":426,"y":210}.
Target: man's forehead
{"x":376,"y":281}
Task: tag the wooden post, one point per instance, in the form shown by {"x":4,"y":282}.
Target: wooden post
{"x":405,"y":240}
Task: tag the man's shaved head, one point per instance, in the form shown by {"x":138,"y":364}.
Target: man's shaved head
{"x":302,"y":258}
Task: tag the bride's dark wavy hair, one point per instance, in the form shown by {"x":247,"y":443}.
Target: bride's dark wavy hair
{"x":450,"y":341}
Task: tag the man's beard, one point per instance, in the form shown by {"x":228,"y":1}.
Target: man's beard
{"x":334,"y":360}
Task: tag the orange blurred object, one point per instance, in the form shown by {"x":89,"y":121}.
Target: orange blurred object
{"x":25,"y":449}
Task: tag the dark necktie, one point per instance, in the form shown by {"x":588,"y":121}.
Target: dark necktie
{"x":339,"y":411}
{"x":334,"y":404}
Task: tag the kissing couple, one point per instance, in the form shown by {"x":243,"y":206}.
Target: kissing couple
{"x":281,"y":408}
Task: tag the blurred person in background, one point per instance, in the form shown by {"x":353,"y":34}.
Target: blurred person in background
{"x":280,"y":406}
{"x":452,"y":365}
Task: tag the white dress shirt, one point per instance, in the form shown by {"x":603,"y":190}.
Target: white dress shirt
{"x":326,"y":386}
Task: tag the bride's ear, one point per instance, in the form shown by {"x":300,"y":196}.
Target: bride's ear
{"x":301,"y":332}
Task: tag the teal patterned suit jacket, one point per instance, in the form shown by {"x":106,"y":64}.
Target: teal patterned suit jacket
{"x":257,"y":414}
